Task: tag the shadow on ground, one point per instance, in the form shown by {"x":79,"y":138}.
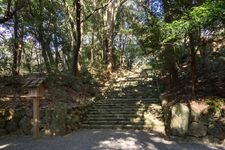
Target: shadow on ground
{"x":101,"y":140}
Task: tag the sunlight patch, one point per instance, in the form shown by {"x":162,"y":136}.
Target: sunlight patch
{"x":120,"y":143}
{"x":4,"y":146}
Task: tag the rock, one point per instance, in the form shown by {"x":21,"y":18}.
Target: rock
{"x":76,"y":87}
{"x":25,"y":125}
{"x":11,"y":126}
{"x":195,"y":115}
{"x":2,"y":113}
{"x":198,"y":110}
{"x":2,"y":123}
{"x":29,"y":112}
{"x":217,"y":115}
{"x":198,"y":129}
{"x":223,"y":142}
{"x":75,"y":119}
{"x":216,"y":130}
{"x":9,"y":114}
{"x":3,"y":132}
{"x":19,"y":114}
{"x":14,"y":114}
{"x":164,"y":99}
{"x":58,"y":124}
{"x":72,"y":121}
{"x":47,"y":130}
{"x":179,"y":119}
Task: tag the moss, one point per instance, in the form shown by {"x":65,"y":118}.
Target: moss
{"x":215,"y":104}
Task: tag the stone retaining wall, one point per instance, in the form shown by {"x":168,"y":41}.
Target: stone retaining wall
{"x":59,"y":119}
{"x":194,"y":118}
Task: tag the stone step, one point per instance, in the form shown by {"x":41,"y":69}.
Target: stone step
{"x":131,"y":83}
{"x":118,"y":107}
{"x":123,"y":96}
{"x":128,"y":104}
{"x":131,"y":86}
{"x":143,"y":81}
{"x":133,"y":79}
{"x":133,"y":93}
{"x":136,"y":76}
{"x":147,"y":99}
{"x":114,"y":116}
{"x":120,"y":111}
{"x":114,"y":122}
{"x":110,"y":115}
{"x":128,"y":126}
{"x":118,"y":117}
{"x":125,"y":104}
{"x":133,"y":89}
{"x":110,"y":118}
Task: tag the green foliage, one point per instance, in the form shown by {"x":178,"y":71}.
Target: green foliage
{"x":215,"y":104}
{"x":201,"y":16}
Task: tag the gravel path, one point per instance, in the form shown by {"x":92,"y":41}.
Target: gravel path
{"x":100,"y":140}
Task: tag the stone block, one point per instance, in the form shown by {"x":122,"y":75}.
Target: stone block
{"x":58,"y":123}
{"x":179,"y":119}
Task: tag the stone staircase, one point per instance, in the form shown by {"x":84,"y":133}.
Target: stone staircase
{"x":131,"y":103}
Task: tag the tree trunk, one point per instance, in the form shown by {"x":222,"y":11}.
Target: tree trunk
{"x":76,"y":32}
{"x":15,"y":66}
{"x":57,"y":55}
{"x":92,"y":47}
{"x":44,"y":48}
{"x":79,"y":36}
{"x":112,"y":12}
{"x":49,"y":53}
{"x":41,"y":38}
{"x":169,"y":55}
{"x":193,"y":62}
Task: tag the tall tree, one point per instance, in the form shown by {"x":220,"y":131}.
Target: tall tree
{"x":17,"y":44}
{"x":109,"y":22}
{"x":170,"y":61}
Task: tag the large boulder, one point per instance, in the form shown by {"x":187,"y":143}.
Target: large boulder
{"x":198,"y":108}
{"x":217,"y":130}
{"x":58,"y":124}
{"x":179,"y":119}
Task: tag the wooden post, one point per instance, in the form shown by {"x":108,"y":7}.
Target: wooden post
{"x":36,"y":88}
{"x":36,"y":117}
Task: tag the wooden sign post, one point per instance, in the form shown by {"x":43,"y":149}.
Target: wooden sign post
{"x":36,"y":117}
{"x":36,"y":88}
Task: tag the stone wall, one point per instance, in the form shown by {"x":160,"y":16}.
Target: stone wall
{"x":59,"y":119}
{"x":193,"y":119}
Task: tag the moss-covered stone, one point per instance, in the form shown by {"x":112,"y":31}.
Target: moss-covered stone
{"x":58,"y":124}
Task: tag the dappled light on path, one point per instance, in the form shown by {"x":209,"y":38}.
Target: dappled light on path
{"x":101,"y":140}
{"x":119,"y":143}
{"x":4,"y":146}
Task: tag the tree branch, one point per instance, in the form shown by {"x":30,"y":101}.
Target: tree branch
{"x":8,"y":14}
{"x":95,"y":10}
